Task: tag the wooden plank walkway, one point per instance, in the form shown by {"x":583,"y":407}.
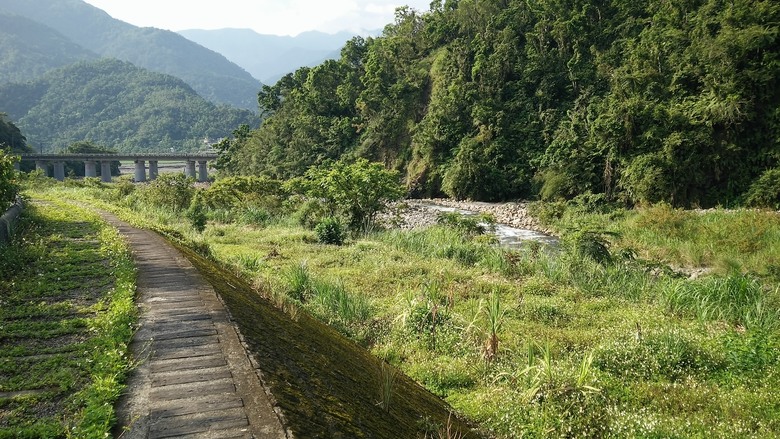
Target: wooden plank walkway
{"x":194,"y":378}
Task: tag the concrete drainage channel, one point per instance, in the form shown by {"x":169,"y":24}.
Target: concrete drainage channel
{"x":8,"y":221}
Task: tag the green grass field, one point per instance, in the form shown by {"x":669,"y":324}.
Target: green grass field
{"x":533,"y":343}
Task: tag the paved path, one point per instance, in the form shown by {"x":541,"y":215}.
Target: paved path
{"x":194,"y":379}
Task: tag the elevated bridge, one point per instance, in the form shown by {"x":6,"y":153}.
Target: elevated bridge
{"x":91,"y":161}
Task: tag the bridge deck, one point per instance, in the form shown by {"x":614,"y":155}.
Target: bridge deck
{"x":162,"y":157}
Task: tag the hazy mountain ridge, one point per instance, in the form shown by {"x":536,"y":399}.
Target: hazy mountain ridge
{"x":29,"y":49}
{"x":208,"y":72}
{"x":269,"y":57}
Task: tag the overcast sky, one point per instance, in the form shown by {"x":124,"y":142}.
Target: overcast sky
{"x":278,"y":17}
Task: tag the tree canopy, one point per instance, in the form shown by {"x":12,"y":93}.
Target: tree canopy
{"x":642,"y":101}
{"x":11,"y":138}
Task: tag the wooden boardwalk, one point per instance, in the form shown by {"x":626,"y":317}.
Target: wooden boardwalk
{"x":194,"y":378}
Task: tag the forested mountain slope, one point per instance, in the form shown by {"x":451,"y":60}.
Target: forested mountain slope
{"x":641,"y":101}
{"x":117,"y":105}
{"x":29,"y":49}
{"x":209,"y":73}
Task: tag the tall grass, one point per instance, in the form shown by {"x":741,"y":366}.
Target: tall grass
{"x":737,"y":299}
{"x":330,"y":301}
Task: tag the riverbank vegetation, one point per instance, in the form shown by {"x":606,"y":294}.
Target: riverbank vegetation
{"x":607,"y":335}
{"x":67,"y":284}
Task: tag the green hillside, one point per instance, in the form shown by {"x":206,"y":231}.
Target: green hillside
{"x":209,"y":73}
{"x":29,"y":49}
{"x":640,"y":101}
{"x":118,"y":105}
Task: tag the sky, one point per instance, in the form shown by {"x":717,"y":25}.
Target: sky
{"x":276,"y":17}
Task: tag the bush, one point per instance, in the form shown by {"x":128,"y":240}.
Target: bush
{"x":172,"y":191}
{"x":196,"y":213}
{"x":8,"y":184}
{"x":593,"y":245}
{"x":309,"y":213}
{"x":237,"y":191}
{"x":765,"y":192}
{"x":468,"y":225}
{"x":357,"y":190}
{"x":255,"y":216}
{"x":330,"y":231}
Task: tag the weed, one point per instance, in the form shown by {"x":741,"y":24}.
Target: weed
{"x":249,"y":262}
{"x":495,"y":315}
{"x":447,"y":431}
{"x":338,"y":304}
{"x":330,"y":230}
{"x":737,"y":299}
{"x":299,"y":282}
{"x":388,"y":375}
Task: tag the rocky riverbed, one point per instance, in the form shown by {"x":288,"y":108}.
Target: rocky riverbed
{"x":419,"y":213}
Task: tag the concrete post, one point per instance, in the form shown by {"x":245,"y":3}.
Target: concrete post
{"x":40,"y":165}
{"x":203,"y":172}
{"x":190,"y":170}
{"x":140,"y":171}
{"x":59,"y":171}
{"x":90,"y":168}
{"x":17,"y":166}
{"x":105,"y":171}
{"x":152,"y":169}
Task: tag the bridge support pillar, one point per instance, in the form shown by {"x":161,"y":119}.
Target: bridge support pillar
{"x":189,"y":171}
{"x":59,"y":171}
{"x":40,"y":165}
{"x":140,"y":171}
{"x":203,"y":171}
{"x":105,"y":171}
{"x":90,"y":169}
{"x":153,"y":169}
{"x":17,"y":166}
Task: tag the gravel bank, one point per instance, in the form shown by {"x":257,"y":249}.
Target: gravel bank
{"x":417,"y":213}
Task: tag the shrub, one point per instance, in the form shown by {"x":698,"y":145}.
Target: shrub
{"x":765,"y":192}
{"x":196,"y":213}
{"x":310,"y":213}
{"x":8,"y":183}
{"x":236,"y":191}
{"x":299,"y":282}
{"x":173,"y":191}
{"x":737,"y":299}
{"x":357,"y":190}
{"x":591,"y":244}
{"x":468,"y":225}
{"x":330,"y":231}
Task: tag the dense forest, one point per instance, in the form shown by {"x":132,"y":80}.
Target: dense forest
{"x":641,"y":101}
{"x":116,"y":105}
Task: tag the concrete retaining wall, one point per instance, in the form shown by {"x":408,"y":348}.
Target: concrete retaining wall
{"x":8,"y":222}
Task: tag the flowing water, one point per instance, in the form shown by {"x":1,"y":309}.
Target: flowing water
{"x":508,"y":236}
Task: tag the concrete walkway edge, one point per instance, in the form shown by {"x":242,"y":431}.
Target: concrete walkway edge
{"x":194,"y":377}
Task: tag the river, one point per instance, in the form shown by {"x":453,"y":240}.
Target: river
{"x":508,"y":236}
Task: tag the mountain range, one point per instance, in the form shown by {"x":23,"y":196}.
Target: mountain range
{"x":88,"y":32}
{"x":269,"y":57}
{"x":118,"y":105}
